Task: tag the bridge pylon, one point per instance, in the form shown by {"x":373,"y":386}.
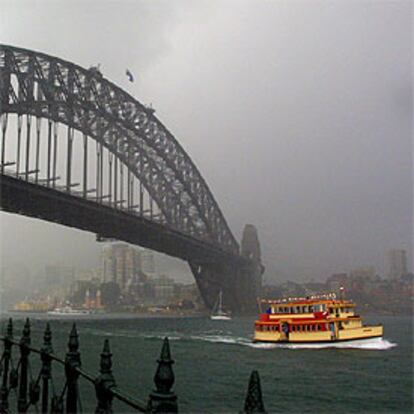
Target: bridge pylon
{"x":239,"y":280}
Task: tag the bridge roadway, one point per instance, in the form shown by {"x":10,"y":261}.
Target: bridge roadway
{"x":30,"y":199}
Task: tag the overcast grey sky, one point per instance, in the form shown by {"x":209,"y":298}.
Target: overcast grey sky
{"x":297,"y":113}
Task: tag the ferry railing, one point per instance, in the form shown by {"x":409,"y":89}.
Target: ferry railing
{"x":39,"y":391}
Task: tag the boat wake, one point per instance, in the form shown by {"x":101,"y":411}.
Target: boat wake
{"x":379,"y":344}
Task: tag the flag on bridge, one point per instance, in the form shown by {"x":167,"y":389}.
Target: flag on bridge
{"x":130,"y":75}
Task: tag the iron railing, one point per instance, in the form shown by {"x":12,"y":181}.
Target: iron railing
{"x":40,"y":393}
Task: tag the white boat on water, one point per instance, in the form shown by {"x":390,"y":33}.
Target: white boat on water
{"x":68,"y":311}
{"x":218,"y":313}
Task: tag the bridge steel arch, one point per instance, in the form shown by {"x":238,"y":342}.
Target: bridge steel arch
{"x":34,"y":84}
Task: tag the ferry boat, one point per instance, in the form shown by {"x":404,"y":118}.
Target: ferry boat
{"x":312,"y":320}
{"x":69,"y":311}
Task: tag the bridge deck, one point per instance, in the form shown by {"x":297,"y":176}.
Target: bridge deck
{"x":23,"y":197}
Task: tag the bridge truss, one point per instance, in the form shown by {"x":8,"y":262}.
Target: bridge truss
{"x":67,"y":130}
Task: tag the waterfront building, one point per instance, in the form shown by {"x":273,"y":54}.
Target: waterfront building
{"x":147,"y":262}
{"x":164,"y":289}
{"x":121,"y":264}
{"x":93,"y":302}
{"x":397,"y":260}
{"x":364,"y":272}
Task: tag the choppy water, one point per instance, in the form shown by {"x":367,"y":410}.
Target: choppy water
{"x":214,"y":360}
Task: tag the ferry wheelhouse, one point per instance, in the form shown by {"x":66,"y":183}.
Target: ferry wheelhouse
{"x":312,"y":320}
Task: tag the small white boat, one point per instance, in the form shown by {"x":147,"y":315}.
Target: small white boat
{"x":68,"y":311}
{"x":218,"y":313}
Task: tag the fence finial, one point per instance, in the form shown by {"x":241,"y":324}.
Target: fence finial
{"x":163,"y":400}
{"x":24,"y":368}
{"x":46,"y":371}
{"x":254,"y":400}
{"x":10,"y":329}
{"x":73,"y":343}
{"x":47,"y":339}
{"x":6,"y":357}
{"x":25,"y":340}
{"x":72,"y":362}
{"x":104,"y":382}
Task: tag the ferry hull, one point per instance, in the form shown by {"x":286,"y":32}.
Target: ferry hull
{"x":365,"y":332}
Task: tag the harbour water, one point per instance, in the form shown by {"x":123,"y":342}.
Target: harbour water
{"x":213,"y":361}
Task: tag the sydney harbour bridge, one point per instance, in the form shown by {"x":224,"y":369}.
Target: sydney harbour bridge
{"x":78,"y":150}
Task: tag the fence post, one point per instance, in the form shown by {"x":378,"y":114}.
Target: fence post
{"x":46,"y":372}
{"x":104,"y":382}
{"x":24,"y":361}
{"x":72,"y":362}
{"x":254,"y":400}
{"x":4,"y":393}
{"x":163,"y":400}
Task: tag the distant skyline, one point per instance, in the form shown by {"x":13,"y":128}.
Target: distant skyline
{"x":297,"y":114}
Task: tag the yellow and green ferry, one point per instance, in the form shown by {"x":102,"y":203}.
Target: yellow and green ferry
{"x":322,"y":319}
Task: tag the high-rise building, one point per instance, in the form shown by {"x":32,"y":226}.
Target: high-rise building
{"x":121,"y":263}
{"x":365,"y":272}
{"x":147,"y":262}
{"x":397,"y":259}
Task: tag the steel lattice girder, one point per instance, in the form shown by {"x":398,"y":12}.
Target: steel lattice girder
{"x":52,"y":88}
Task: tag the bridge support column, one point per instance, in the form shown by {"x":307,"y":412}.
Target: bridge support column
{"x":240,"y":280}
{"x":240,"y":284}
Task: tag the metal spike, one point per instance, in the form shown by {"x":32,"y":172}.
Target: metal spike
{"x":10,"y":329}
{"x":73,"y":343}
{"x":254,"y":400}
{"x":163,"y":400}
{"x":25,"y":340}
{"x":165,"y":352}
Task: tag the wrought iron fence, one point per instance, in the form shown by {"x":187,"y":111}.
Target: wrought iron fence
{"x":39,"y":392}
